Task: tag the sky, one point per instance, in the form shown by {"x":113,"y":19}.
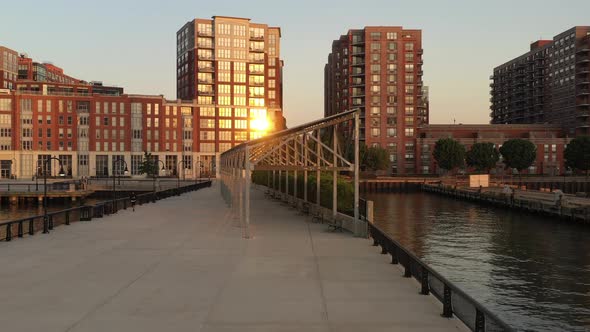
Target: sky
{"x":133,"y":43}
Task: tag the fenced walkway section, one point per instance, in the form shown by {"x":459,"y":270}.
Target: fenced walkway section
{"x":183,"y":265}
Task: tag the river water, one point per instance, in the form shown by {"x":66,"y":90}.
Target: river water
{"x":533,"y":272}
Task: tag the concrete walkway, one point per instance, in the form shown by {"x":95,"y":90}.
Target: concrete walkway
{"x":182,"y":265}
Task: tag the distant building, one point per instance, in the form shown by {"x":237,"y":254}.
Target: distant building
{"x":550,"y":141}
{"x":548,"y":84}
{"x":379,"y":70}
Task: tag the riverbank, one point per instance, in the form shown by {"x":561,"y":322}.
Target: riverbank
{"x":542,"y":202}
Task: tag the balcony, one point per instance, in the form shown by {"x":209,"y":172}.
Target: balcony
{"x":358,"y":63}
{"x":205,"y":93}
{"x":206,"y":69}
{"x":420,"y":52}
{"x":204,"y":57}
{"x":357,"y":41}
{"x":204,"y":45}
{"x":583,"y":114}
{"x":358,"y":73}
{"x":491,"y":77}
{"x":257,"y":95}
{"x":582,"y":92}
{"x":582,"y":50}
{"x":420,"y":73}
{"x":583,"y":82}
{"x":583,"y":59}
{"x":205,"y":33}
{"x":360,"y":51}
{"x":256,"y":72}
{"x":257,"y":61}
{"x":257,"y":37}
{"x":254,"y":83}
{"x":256,"y":49}
{"x":204,"y":81}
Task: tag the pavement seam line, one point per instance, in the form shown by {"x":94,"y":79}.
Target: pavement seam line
{"x":317,"y":266}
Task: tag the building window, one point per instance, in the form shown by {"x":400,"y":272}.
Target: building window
{"x":375,"y":132}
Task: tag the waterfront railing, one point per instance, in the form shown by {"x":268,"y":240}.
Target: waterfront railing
{"x":34,"y":224}
{"x":455,"y":301}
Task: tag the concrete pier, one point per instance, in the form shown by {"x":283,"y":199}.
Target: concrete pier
{"x":183,"y":265}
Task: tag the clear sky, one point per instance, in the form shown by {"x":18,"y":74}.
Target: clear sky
{"x":132,"y":43}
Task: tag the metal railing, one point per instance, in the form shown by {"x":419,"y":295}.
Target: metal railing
{"x":37,"y":187}
{"x":455,"y":301}
{"x":34,"y":224}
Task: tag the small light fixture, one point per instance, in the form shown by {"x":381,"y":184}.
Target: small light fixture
{"x":61,"y":171}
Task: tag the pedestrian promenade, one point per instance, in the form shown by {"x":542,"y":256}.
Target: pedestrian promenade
{"x":182,"y":265}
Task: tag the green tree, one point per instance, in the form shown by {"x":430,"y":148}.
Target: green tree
{"x":376,"y":158}
{"x":449,"y":154}
{"x":148,"y":165}
{"x":518,"y":153}
{"x":482,"y":156}
{"x":577,"y":154}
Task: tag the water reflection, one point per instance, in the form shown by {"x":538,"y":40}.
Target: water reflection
{"x":532,"y":271}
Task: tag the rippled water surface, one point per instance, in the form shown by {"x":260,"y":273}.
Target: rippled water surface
{"x":533,"y":272}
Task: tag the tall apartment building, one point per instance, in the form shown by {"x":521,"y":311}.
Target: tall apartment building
{"x":8,"y":68}
{"x":548,"y":84}
{"x":232,"y":69}
{"x":379,"y":70}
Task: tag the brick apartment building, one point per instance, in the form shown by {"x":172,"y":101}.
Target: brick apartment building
{"x":232,"y":67}
{"x":89,"y":126}
{"x":550,"y":141}
{"x":548,"y":84}
{"x":379,"y":70}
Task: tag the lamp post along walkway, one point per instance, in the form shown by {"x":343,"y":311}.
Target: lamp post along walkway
{"x":47,"y":225}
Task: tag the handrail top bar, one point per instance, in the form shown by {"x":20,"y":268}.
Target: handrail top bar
{"x":293,"y":130}
{"x":445,"y":281}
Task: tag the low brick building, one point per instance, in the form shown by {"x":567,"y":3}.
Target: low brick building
{"x":550,"y":141}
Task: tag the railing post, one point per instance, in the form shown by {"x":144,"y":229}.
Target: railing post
{"x":51,"y":222}
{"x":394,"y":259}
{"x":31,"y":226}
{"x":8,"y":232}
{"x":383,"y":249}
{"x":45,"y":224}
{"x":480,"y":321}
{"x":424,"y":280}
{"x":447,"y":302}
{"x":408,"y":267}
{"x":67,"y":217}
{"x":20,"y":228}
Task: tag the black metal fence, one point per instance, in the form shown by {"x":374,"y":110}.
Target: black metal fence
{"x":455,"y":301}
{"x":38,"y":187}
{"x":31,"y":225}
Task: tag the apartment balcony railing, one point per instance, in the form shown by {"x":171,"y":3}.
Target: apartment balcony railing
{"x":205,"y":93}
{"x":420,"y":52}
{"x":582,"y":114}
{"x":254,"y":83}
{"x":257,"y":60}
{"x":257,"y":49}
{"x":256,"y":72}
{"x":204,"y":45}
{"x":358,"y":73}
{"x":257,"y":37}
{"x":206,"y":69}
{"x":205,"y":81}
{"x":583,"y":82}
{"x":257,"y":95}
{"x":583,"y":71}
{"x":583,"y":50}
{"x":582,"y":92}
{"x":205,"y":33}
{"x":204,"y":57}
{"x":583,"y":59}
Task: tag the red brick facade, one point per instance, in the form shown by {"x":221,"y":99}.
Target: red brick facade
{"x":379,"y":70}
{"x":550,"y":141}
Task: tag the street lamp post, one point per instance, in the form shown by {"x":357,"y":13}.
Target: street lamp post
{"x":12,"y":166}
{"x":156,"y":173}
{"x":61,"y":173}
{"x":178,"y":172}
{"x":125,"y":171}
